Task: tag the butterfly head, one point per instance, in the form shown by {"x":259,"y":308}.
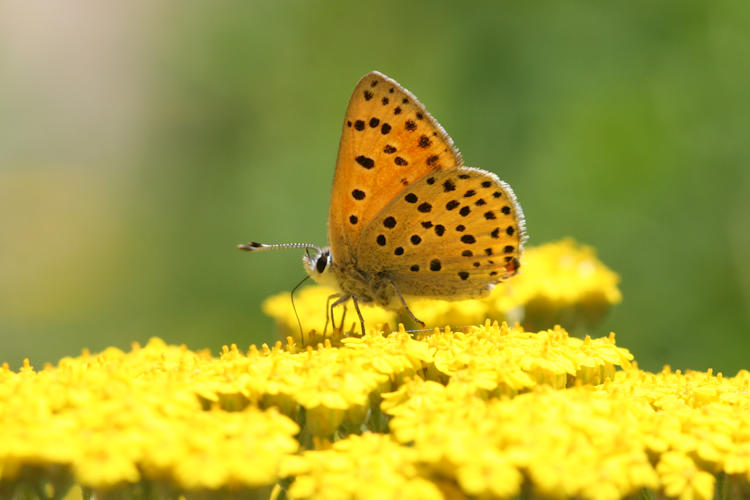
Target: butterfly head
{"x":317,"y":262}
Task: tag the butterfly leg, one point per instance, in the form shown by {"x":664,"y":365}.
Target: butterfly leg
{"x":329,"y":312}
{"x":406,"y":306}
{"x":341,"y":300}
{"x":341,"y":322}
{"x":359,"y":313}
{"x":343,"y":319}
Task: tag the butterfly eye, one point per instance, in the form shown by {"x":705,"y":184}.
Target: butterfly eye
{"x":320,"y":265}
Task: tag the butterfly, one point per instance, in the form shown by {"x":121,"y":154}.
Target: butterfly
{"x":406,"y":217}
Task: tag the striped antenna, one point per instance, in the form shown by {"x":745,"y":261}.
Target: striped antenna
{"x":257,"y":247}
{"x":254,"y":246}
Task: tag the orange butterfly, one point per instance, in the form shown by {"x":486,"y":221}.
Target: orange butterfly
{"x":406,"y":217}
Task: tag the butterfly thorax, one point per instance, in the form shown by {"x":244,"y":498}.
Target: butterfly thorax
{"x":366,"y":287}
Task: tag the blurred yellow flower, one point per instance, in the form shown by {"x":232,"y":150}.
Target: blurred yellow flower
{"x":370,"y":466}
{"x":682,"y":479}
{"x":561,"y":283}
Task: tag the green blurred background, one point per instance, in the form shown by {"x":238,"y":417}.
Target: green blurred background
{"x":141,"y":141}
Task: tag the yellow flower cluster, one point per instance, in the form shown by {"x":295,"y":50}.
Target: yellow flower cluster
{"x":493,"y":412}
{"x":671,"y":433}
{"x":559,"y":283}
{"x":335,"y":390}
{"x":115,"y":419}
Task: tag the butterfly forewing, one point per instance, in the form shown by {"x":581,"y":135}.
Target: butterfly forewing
{"x":388,"y":142}
{"x":452,"y":233}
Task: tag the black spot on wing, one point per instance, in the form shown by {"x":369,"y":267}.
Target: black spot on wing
{"x":366,"y":162}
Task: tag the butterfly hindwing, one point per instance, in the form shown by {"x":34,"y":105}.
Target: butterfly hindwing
{"x":451,"y":233}
{"x":388,"y":142}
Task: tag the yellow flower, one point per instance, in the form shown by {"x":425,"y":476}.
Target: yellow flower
{"x":333,"y":383}
{"x":580,"y":442}
{"x":500,"y":360}
{"x":492,"y":473}
{"x":737,"y":460}
{"x":105,"y":462}
{"x":682,"y":479}
{"x":370,"y":466}
{"x":116,"y":419}
{"x":396,"y":355}
{"x":561,"y":283}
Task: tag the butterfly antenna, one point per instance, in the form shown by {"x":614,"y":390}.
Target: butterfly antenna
{"x":257,"y":247}
{"x":294,"y":307}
